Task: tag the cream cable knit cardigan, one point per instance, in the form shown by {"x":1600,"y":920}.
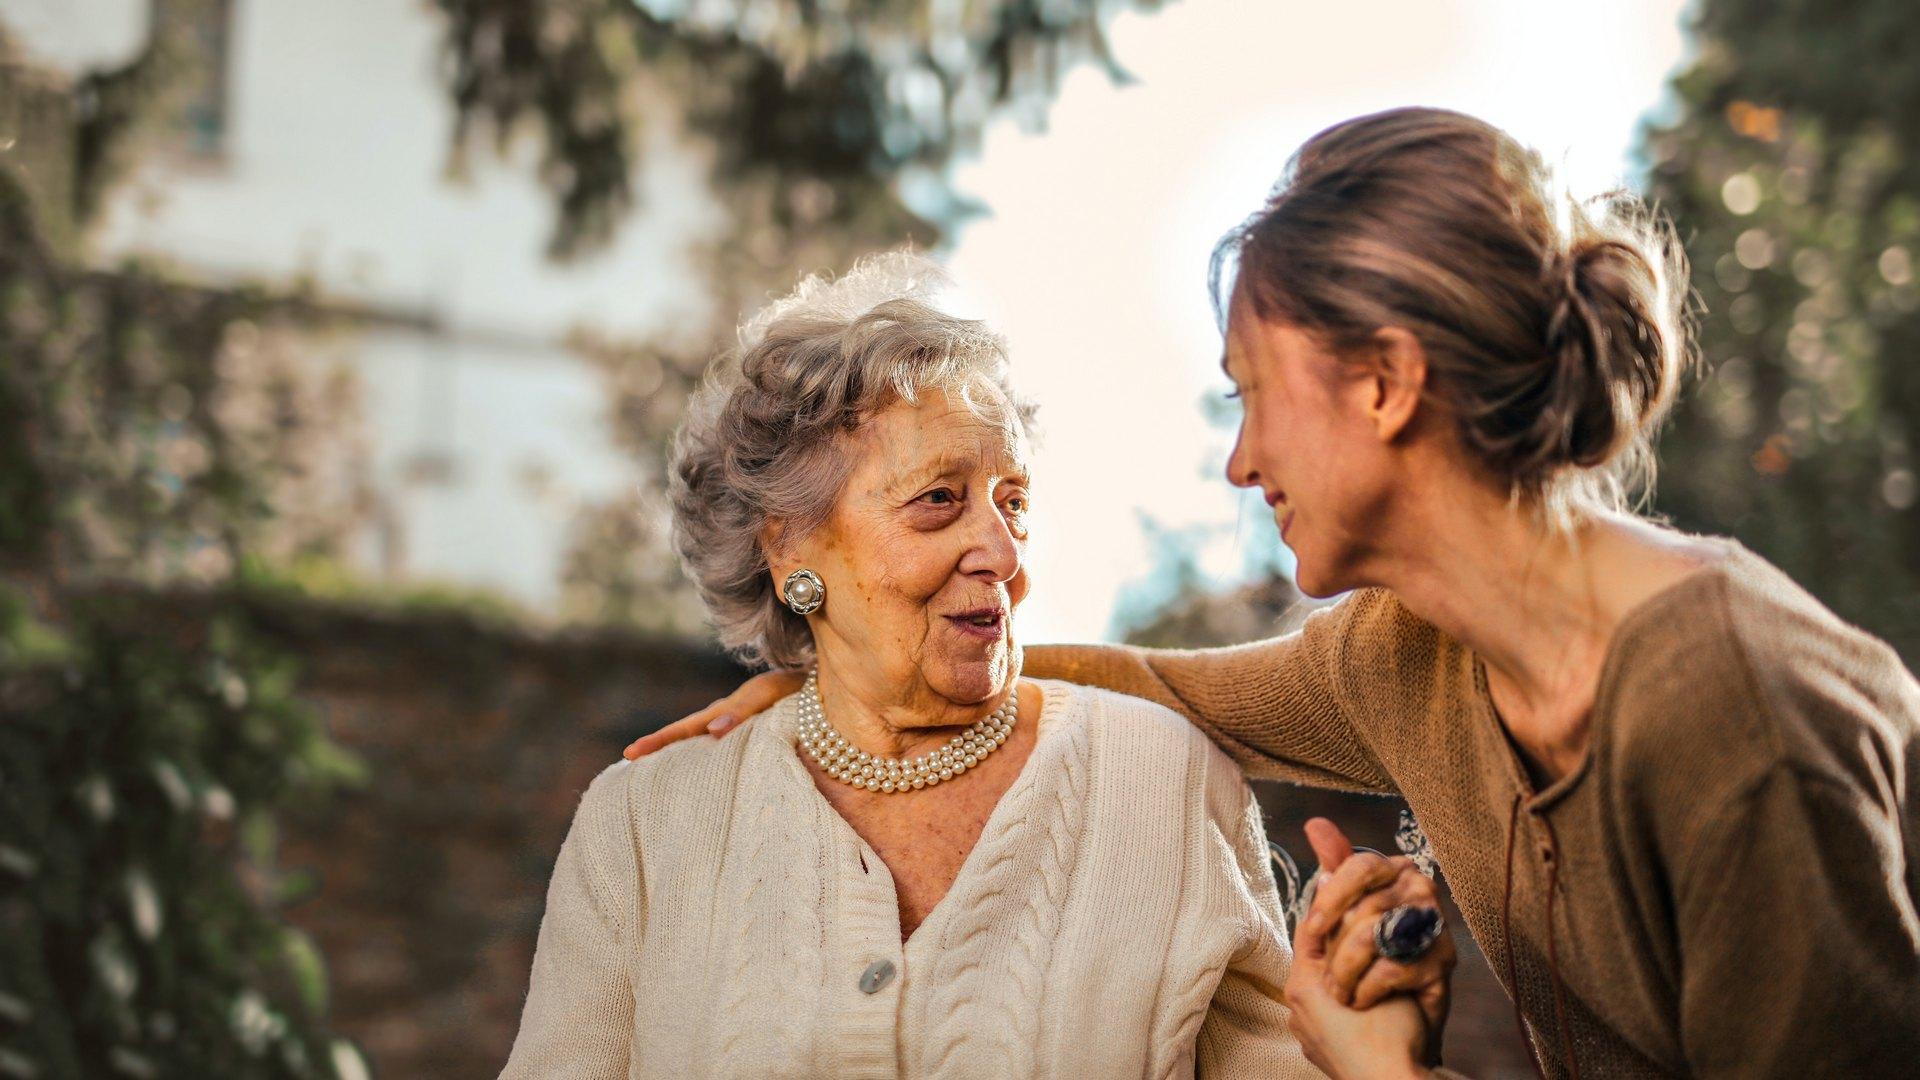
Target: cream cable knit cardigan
{"x":711,"y":915}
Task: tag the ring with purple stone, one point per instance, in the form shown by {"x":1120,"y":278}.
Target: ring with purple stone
{"x":1405,"y":933}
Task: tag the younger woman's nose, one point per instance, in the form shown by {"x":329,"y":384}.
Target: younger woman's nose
{"x":1240,"y":470}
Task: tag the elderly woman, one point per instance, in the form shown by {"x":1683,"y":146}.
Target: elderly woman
{"x":919,"y":864}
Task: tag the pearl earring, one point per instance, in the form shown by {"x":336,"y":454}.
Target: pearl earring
{"x":804,"y":592}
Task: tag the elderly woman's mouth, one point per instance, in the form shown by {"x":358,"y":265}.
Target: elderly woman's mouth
{"x":987,"y":625}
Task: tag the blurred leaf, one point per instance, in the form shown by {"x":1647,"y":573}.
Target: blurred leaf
{"x":309,"y":971}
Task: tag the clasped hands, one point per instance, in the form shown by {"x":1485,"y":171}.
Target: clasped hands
{"x":1355,"y":1012}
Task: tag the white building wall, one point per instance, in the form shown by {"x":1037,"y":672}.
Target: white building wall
{"x":524,"y":435}
{"x":334,"y":172}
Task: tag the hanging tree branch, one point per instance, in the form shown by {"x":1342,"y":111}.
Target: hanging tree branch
{"x":845,"y":93}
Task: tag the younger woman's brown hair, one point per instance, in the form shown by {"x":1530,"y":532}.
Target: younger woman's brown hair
{"x":1554,"y":330}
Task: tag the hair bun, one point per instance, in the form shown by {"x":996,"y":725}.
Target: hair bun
{"x":1612,"y":347}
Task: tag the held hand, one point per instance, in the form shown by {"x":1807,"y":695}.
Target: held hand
{"x":753,"y":697}
{"x":1356,"y":889}
{"x":1387,"y":1040}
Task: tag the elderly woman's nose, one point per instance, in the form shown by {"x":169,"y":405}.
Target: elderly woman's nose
{"x":992,"y":550}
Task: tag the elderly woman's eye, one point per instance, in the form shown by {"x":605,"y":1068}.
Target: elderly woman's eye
{"x":938,"y":497}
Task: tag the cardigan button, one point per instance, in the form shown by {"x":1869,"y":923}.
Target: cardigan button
{"x":876,"y":977}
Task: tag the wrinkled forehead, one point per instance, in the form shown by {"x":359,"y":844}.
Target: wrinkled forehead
{"x":946,"y":432}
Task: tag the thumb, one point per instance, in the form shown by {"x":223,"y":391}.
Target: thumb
{"x":1329,"y":844}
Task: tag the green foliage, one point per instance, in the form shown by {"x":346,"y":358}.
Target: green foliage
{"x":828,"y":102}
{"x":149,"y":432}
{"x":139,"y":938}
{"x":1794,"y":174}
{"x":104,"y":374}
{"x":155,"y":430}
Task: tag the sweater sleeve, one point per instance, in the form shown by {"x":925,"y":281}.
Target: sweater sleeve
{"x":578,"y":1018}
{"x":1274,"y":706}
{"x":1245,"y":1032}
{"x":1799,"y":942}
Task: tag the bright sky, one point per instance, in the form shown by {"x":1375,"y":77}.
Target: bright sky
{"x":1093,"y":260}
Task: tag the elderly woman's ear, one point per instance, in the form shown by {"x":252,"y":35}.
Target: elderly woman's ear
{"x":773,"y":543}
{"x":782,"y":559}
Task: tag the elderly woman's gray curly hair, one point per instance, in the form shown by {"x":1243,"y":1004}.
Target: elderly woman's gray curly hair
{"x":765,"y":437}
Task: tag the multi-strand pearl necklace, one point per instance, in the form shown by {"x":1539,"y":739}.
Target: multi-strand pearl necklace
{"x":846,"y":762}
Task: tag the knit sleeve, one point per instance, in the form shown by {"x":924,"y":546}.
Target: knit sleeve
{"x":1245,"y":1032}
{"x":1276,"y":707}
{"x":578,"y":1019}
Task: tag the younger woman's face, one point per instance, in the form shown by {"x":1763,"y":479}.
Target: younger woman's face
{"x":1307,"y":443}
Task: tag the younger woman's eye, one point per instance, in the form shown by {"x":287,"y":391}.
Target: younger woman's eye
{"x":1234,"y":393}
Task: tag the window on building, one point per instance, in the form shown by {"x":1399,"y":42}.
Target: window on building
{"x":201,"y":126}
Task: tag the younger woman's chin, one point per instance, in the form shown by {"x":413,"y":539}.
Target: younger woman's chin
{"x":1311,"y":577}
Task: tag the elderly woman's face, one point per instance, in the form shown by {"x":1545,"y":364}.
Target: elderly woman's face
{"x":924,"y":555}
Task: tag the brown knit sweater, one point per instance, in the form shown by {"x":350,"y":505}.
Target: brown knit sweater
{"x":1727,"y":886}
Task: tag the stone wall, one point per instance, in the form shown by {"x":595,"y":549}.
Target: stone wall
{"x":479,"y":741}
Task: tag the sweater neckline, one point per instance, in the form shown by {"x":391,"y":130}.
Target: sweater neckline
{"x":1635,"y":622}
{"x":1054,"y":701}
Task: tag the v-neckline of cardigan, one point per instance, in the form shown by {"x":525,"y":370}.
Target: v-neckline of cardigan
{"x":1052,"y":699}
